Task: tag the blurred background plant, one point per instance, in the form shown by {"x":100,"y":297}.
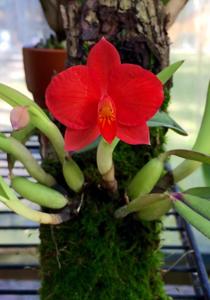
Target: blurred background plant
{"x":57,"y":40}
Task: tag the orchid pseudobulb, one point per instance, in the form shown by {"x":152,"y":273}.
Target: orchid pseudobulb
{"x":104,"y":98}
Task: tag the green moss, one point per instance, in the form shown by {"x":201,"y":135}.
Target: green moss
{"x":95,"y":256}
{"x":101,"y":258}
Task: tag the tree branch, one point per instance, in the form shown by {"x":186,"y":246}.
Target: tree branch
{"x":172,"y":9}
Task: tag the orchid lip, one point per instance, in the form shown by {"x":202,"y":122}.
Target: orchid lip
{"x":106,"y":111}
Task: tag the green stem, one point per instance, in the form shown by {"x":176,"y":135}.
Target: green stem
{"x":104,"y":155}
{"x":105,"y":163}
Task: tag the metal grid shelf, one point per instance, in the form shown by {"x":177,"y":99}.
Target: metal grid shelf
{"x":23,"y":271}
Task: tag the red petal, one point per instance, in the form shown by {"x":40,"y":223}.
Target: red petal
{"x":107,"y":118}
{"x":72,"y":98}
{"x":137,"y":94}
{"x":134,"y":135}
{"x":103,"y":57}
{"x":108,"y":130}
{"x":78,"y":139}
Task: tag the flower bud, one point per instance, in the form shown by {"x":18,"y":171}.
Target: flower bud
{"x":38,"y":193}
{"x":19,"y":117}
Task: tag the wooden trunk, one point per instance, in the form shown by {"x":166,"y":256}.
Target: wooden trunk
{"x":94,"y":256}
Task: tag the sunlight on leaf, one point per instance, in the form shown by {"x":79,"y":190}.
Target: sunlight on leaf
{"x":162,"y":119}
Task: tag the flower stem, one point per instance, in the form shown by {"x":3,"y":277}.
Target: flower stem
{"x":105,"y":164}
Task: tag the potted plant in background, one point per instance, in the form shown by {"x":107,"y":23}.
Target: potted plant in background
{"x":48,"y":57}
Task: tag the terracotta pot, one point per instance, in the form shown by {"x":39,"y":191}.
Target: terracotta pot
{"x":40,"y":65}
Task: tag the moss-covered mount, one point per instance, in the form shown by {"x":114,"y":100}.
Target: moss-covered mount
{"x":97,"y":257}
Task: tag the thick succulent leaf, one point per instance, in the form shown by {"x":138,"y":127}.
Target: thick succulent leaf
{"x":139,"y":203}
{"x":202,"y":192}
{"x":5,"y":191}
{"x":15,"y":98}
{"x":162,"y":119}
{"x":191,"y":155}
{"x":200,"y":205}
{"x":168,"y":72}
{"x":22,"y":136}
{"x":37,"y":117}
{"x":206,"y":174}
{"x":198,"y":221}
{"x":156,"y":210}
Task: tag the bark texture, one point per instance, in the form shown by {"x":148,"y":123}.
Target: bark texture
{"x":137,"y":27}
{"x":94,"y":256}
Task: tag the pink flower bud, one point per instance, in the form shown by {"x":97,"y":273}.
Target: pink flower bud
{"x":19,"y":117}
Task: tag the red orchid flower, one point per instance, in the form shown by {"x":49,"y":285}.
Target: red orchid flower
{"x":104,"y":97}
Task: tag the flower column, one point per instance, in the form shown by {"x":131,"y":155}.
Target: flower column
{"x":96,"y":256}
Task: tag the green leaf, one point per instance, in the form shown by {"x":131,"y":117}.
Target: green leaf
{"x":200,"y":205}
{"x":206,"y":173}
{"x":37,"y":117}
{"x":162,"y":119}
{"x":139,"y":204}
{"x":15,"y":98}
{"x":190,"y":154}
{"x":199,"y":222}
{"x":165,"y":1}
{"x":5,"y":191}
{"x":168,"y":72}
{"x":155,"y":211}
{"x":22,"y":136}
{"x":203,"y":192}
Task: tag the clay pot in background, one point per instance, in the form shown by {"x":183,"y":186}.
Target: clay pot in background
{"x":40,"y":64}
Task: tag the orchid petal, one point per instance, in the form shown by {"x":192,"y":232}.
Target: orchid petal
{"x":134,"y":135}
{"x":137,"y":94}
{"x":72,"y":98}
{"x":108,"y":131}
{"x":103,"y":57}
{"x":78,"y":139}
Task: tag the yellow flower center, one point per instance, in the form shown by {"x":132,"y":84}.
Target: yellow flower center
{"x":106,"y":111}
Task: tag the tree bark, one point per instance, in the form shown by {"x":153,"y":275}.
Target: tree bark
{"x":94,"y":256}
